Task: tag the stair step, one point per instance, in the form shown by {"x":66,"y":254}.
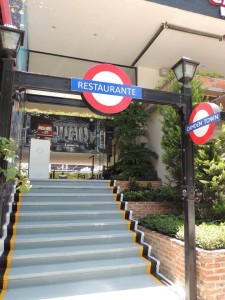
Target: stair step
{"x":70,"y":182}
{"x":66,"y":227}
{"x":70,"y":239}
{"x":69,"y":189}
{"x":73,"y":197}
{"x":120,"y":287}
{"x":69,"y":215}
{"x":64,"y":272}
{"x":65,"y":206}
{"x":31,"y":257}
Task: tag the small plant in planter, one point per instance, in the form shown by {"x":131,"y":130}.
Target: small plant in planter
{"x":8,"y":169}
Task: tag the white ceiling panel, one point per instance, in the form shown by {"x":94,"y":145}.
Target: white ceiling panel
{"x":117,"y":31}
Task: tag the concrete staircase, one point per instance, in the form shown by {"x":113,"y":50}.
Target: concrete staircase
{"x":70,"y":238}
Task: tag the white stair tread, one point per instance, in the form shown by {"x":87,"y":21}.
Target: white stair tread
{"x":75,"y":267}
{"x":67,"y":250}
{"x":67,"y":194}
{"x":63,"y":203}
{"x":58,"y":186}
{"x":127,"y":287}
{"x":59,"y":213}
{"x":52,"y":224}
{"x":72,"y":235}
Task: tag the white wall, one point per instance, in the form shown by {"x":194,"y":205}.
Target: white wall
{"x":149,"y":78}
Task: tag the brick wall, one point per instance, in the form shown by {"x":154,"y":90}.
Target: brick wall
{"x":210,"y":265}
{"x":141,"y":209}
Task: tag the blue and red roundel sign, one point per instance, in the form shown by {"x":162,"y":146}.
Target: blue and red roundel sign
{"x":106,"y":88}
{"x":204,"y":123}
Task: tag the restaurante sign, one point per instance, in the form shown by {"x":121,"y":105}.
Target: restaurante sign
{"x":222,"y":6}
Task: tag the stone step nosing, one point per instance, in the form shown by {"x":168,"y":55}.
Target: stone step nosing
{"x":66,"y":213}
{"x":16,"y":257}
{"x":63,"y":203}
{"x":67,"y":195}
{"x":72,"y":187}
{"x":94,"y":269}
{"x":88,"y":224}
{"x":88,"y":237}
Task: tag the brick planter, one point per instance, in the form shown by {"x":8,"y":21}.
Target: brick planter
{"x":141,"y":209}
{"x":210,"y":265}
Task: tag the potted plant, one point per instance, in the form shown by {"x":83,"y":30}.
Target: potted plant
{"x":10,"y":177}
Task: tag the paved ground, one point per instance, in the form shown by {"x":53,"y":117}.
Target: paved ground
{"x":152,"y":293}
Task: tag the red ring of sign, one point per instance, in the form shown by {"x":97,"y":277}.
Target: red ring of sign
{"x":214,"y":3}
{"x":112,"y":109}
{"x":203,"y":139}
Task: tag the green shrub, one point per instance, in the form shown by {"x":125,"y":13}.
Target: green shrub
{"x":146,"y":194}
{"x":209,"y":236}
{"x":168,"y":225}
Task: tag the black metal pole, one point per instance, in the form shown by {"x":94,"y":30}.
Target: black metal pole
{"x":6,"y":81}
{"x":92,"y":167}
{"x":7,"y":77}
{"x":189,"y":200}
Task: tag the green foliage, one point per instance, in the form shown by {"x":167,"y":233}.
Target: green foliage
{"x":168,"y":225}
{"x":130,"y":124}
{"x":171,"y":142}
{"x":209,"y":161}
{"x":209,"y":236}
{"x":210,"y":179}
{"x":8,"y":169}
{"x":136,"y":161}
{"x":147,"y":194}
{"x":171,"y":128}
{"x":212,"y":75}
{"x":133,"y":184}
{"x":133,"y":160}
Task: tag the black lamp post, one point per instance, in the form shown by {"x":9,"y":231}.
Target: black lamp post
{"x":10,"y":41}
{"x":184,"y":70}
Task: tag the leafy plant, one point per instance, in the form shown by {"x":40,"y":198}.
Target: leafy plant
{"x":209,"y":236}
{"x":8,"y":168}
{"x":146,"y":194}
{"x":209,"y":160}
{"x":134,"y":160}
{"x":168,"y":225}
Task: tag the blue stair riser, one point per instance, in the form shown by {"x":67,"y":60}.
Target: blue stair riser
{"x":60,"y":242}
{"x":65,"y":206}
{"x":75,"y":275}
{"x":70,"y":182}
{"x":68,"y":216}
{"x":68,"y":257}
{"x":32,"y":229}
{"x":67,"y":197}
{"x":71,"y":190}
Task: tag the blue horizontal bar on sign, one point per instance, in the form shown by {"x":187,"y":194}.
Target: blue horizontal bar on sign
{"x":107,"y":88}
{"x":203,"y":122}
